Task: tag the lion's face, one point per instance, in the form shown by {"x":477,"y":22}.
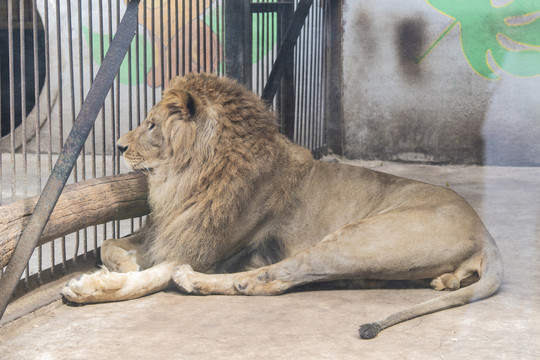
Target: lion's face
{"x":168,"y":130}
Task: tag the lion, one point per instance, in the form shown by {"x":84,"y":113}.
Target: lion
{"x":237,"y":208}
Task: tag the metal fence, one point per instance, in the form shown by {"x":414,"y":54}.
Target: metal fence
{"x":51,"y":50}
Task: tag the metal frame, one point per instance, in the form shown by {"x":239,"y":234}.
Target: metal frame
{"x":68,"y":157}
{"x":294,"y":88}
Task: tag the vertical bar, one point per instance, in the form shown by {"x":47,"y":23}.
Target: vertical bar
{"x":221,"y":34}
{"x":321,"y":79}
{"x":184,"y":42}
{"x":311,"y":76}
{"x":176,"y":31}
{"x":287,"y":81}
{"x":60,"y":107}
{"x":81,"y":99}
{"x":334,"y":128}
{"x":153,"y":25}
{"x":198,"y":36}
{"x":118,"y":122}
{"x":22,"y":59}
{"x":190,"y":37}
{"x":91,"y":73}
{"x":130,"y":122}
{"x":138,"y":89}
{"x":81,"y":82}
{"x":138,"y":104}
{"x":298,"y":74}
{"x":145,"y":60}
{"x":169,"y":38}
{"x":238,"y":40}
{"x":11,"y":98}
{"x":93,"y":130}
{"x":103,"y":107}
{"x":211,"y":14}
{"x":257,"y":51}
{"x":162,"y":44}
{"x":38,"y":121}
{"x":49,"y":112}
{"x":72,"y":92}
{"x":269,"y":24}
{"x":205,"y":66}
{"x":114,"y":156}
{"x":317,"y":58}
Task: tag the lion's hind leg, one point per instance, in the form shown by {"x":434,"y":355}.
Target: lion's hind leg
{"x":464,"y":275}
{"x":446,"y":281}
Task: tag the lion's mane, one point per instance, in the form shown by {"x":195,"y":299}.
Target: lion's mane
{"x":220,"y":147}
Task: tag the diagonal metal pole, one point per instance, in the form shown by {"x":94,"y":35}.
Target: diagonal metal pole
{"x":74,"y":143}
{"x":286,"y":49}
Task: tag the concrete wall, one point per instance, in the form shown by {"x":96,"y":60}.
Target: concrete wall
{"x":450,"y":107}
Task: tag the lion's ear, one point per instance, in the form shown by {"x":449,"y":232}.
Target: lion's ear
{"x":181,"y":101}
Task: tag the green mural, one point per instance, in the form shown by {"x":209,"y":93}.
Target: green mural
{"x":124,"y":67}
{"x":483,"y":26}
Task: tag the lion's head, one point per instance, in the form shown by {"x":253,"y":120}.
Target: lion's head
{"x":198,"y":115}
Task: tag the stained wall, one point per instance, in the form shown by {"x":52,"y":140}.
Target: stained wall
{"x":437,"y":82}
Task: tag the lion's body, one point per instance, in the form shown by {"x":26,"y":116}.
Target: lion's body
{"x":253,"y":213}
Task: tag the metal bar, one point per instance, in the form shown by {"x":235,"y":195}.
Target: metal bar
{"x":118,"y":121}
{"x":153,"y":26}
{"x":72,"y":92}
{"x":81,"y":86}
{"x":11,"y":98}
{"x":286,"y":49}
{"x":81,"y":99}
{"x":333,"y":110}
{"x":236,"y":40}
{"x":91,"y":107}
{"x":177,"y":39}
{"x":211,"y":37}
{"x":183,"y":37}
{"x":22,"y":59}
{"x":258,"y":49}
{"x":162,"y":44}
{"x":38,"y":120}
{"x":145,"y":60}
{"x":198,"y":36}
{"x":190,"y":37}
{"x":220,"y":10}
{"x":205,"y":68}
{"x":169,"y":43}
{"x":49,"y":110}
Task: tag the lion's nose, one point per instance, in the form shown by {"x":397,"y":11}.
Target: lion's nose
{"x":121,"y":148}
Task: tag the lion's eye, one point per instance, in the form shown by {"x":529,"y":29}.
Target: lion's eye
{"x":151,"y":126}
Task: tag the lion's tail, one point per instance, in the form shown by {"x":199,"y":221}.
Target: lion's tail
{"x":491,"y":275}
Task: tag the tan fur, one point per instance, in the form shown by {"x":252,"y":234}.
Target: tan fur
{"x":238,"y":209}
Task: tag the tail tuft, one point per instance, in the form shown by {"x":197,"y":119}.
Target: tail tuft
{"x":369,"y":331}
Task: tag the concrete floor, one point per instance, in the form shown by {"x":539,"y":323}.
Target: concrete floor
{"x":322,"y":324}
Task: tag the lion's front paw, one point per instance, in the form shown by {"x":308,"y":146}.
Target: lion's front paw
{"x":91,"y":288}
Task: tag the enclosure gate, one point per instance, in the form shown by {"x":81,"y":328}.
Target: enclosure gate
{"x":50,"y":56}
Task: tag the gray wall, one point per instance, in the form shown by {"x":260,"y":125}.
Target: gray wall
{"x":439,"y":110}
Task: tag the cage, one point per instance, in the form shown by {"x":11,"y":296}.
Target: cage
{"x":55,"y":49}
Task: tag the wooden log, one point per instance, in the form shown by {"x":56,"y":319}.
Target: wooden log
{"x":82,"y":204}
